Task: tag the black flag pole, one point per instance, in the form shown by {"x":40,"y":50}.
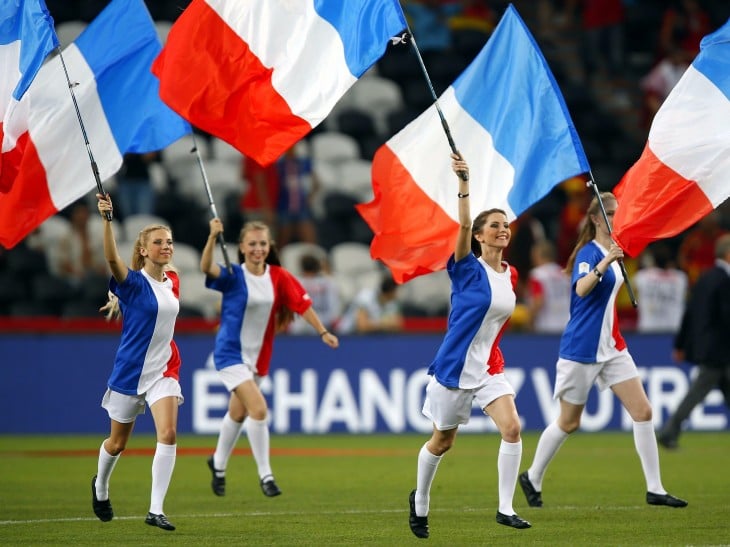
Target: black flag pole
{"x":213,"y":210}
{"x":597,"y":193}
{"x":463,"y":174}
{"x":94,"y":166}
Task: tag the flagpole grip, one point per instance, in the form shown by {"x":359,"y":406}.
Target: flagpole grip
{"x":620,"y":261}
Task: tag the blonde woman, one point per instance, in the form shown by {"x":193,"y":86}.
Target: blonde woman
{"x":147,"y":363}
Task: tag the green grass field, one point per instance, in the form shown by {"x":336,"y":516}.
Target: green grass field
{"x":353,"y":490}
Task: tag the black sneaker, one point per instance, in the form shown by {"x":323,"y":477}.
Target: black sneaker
{"x":534,"y":498}
{"x":159,"y":520}
{"x":218,"y":484}
{"x":102,"y":509}
{"x":419,"y":525}
{"x":512,"y":520}
{"x":664,"y":499}
{"x":668,"y":441}
{"x":269,"y":488}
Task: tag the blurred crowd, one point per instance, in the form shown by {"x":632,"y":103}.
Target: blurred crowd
{"x":615,"y":61}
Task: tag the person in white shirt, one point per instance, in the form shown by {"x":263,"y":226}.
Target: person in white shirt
{"x":548,"y":291}
{"x":661,"y":292}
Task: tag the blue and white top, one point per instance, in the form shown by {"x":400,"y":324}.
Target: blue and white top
{"x":482,"y":301}
{"x":146,"y":351}
{"x":592,"y":334}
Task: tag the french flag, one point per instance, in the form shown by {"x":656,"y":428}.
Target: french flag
{"x":682,"y":174}
{"x":508,"y":120}
{"x":26,"y":39}
{"x":45,"y":162}
{"x":261,"y":74}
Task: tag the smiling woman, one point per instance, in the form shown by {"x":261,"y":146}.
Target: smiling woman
{"x":147,"y":364}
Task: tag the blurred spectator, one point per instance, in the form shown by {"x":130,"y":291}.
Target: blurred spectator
{"x":323,"y":291}
{"x":661,"y":291}
{"x":548,"y":291}
{"x":526,"y":231}
{"x":602,"y":22}
{"x":684,"y":24}
{"x":571,"y":216}
{"x":297,"y":187}
{"x":373,"y":310}
{"x":429,"y":21}
{"x":81,"y":253}
{"x":697,"y":250}
{"x":657,"y":84}
{"x":261,"y":193}
{"x":135,"y":192}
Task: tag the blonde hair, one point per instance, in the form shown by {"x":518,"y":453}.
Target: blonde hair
{"x":111,"y":308}
{"x":588,"y":231}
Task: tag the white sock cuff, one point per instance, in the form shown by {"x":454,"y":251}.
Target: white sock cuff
{"x":644,"y":425}
{"x":427,"y":457}
{"x":257,"y":423}
{"x":166,"y":449}
{"x":512,"y":449}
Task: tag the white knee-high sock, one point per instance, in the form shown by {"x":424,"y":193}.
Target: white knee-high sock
{"x":550,"y":442}
{"x":104,"y":472}
{"x":162,"y":466}
{"x":645,"y":442}
{"x":258,"y":438}
{"x":508,"y":467}
{"x":227,"y":439}
{"x":427,"y":465}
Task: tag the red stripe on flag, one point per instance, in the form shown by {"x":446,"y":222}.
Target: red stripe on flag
{"x":655,"y":202}
{"x":210,"y":77}
{"x":413,"y":234}
{"x":28,"y":202}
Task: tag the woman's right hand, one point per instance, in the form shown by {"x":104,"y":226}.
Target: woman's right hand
{"x":459,"y":166}
{"x":104,"y":204}
{"x":216,"y":227}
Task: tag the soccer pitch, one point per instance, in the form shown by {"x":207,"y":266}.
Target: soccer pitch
{"x":353,"y":490}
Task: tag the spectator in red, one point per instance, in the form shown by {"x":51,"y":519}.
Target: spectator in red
{"x":697,"y":250}
{"x":684,"y":24}
{"x":259,"y":198}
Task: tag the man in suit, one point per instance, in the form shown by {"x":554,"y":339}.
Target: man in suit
{"x":704,"y":339}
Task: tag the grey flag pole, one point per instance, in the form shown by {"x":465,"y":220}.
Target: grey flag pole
{"x":213,"y":210}
{"x":597,"y":193}
{"x":463,"y":174}
{"x":94,"y":166}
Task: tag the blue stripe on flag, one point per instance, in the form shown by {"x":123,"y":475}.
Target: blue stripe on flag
{"x":365,"y":26}
{"x":714,"y":58}
{"x":119,"y":46}
{"x":510,"y":91}
{"x":33,"y":26}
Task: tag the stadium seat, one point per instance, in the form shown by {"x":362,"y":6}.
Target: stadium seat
{"x":291,"y":255}
{"x":134,"y":224}
{"x":352,"y":259}
{"x":430,"y":294}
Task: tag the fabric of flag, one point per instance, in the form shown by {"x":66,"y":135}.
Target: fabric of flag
{"x":509,"y":122}
{"x":682,"y":174}
{"x":261,"y":74}
{"x":45,"y":161}
{"x":26,"y":39}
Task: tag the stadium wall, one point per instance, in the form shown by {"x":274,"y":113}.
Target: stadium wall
{"x":53,"y":383}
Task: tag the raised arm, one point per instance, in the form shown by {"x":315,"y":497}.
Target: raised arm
{"x":463,"y":240}
{"x":207,"y":264}
{"x":111,"y":254}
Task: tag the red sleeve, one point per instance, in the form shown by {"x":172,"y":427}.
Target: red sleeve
{"x":175,"y":283}
{"x":289,"y":291}
{"x":513,"y":276}
{"x":534,"y":287}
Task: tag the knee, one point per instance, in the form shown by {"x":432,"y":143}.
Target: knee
{"x":643,"y":414}
{"x":511,"y":431}
{"x":114,"y":447}
{"x":569,"y":425}
{"x":167,"y":435}
{"x":259,"y":414}
{"x":439,"y":447}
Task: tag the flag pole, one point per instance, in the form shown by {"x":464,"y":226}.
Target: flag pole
{"x":463,"y":174}
{"x":597,"y":193}
{"x":213,"y":210}
{"x":94,"y":166}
